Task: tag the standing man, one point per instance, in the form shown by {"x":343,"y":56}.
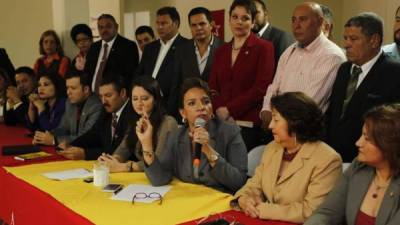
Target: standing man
{"x":327,"y":27}
{"x":112,"y":55}
{"x":7,"y":65}
{"x":310,"y":65}
{"x":107,"y":134}
{"x":158,"y":59}
{"x":369,"y":78}
{"x":82,"y":110}
{"x":393,"y":50}
{"x":144,"y":35}
{"x":279,"y":38}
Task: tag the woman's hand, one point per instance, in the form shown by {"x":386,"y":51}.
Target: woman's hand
{"x":200,"y":135}
{"x":249,"y":205}
{"x":113,"y":163}
{"x":80,"y":62}
{"x":144,"y":132}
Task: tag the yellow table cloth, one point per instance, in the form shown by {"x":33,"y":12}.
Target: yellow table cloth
{"x":184,"y":202}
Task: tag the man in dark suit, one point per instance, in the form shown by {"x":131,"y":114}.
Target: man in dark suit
{"x":194,"y":58}
{"x":368,"y":79}
{"x":112,"y":55}
{"x":279,"y":38}
{"x":158,"y":59}
{"x":7,"y":65}
{"x":107,"y":134}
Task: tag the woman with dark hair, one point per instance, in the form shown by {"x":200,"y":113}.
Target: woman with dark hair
{"x":369,"y":191}
{"x":82,"y":36}
{"x":147,"y":105}
{"x":52,"y":60}
{"x":297,"y":170}
{"x":4,"y":83}
{"x":47,"y":106}
{"x":241,"y":72}
{"x":204,"y":151}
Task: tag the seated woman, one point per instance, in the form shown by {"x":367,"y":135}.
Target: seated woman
{"x":4,"y":83}
{"x":147,"y":105}
{"x":297,"y":170}
{"x":368,"y":193}
{"x":223,"y":155}
{"x":48,"y":105}
{"x":52,"y":60}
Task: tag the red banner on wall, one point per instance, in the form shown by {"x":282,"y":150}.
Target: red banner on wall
{"x":219,"y":20}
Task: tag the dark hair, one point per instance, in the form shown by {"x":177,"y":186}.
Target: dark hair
{"x":115,"y":79}
{"x":149,"y":84}
{"x":383,"y":126}
{"x":397,"y":11}
{"x":192,"y":82}
{"x":27,"y":70}
{"x":247,"y":4}
{"x":200,"y":10}
{"x":6,"y":78}
{"x":263,"y":6}
{"x":80,"y":29}
{"x":107,"y":16}
{"x":58,"y":82}
{"x":84,"y":79}
{"x":327,"y":13}
{"x":304,"y":117}
{"x":59,"y":48}
{"x":172,"y":12}
{"x":369,"y":22}
{"x":144,"y":29}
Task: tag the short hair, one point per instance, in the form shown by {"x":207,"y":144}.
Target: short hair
{"x":107,"y":16}
{"x":80,"y":29}
{"x":6,"y":78}
{"x":304,"y":117}
{"x":47,"y":33}
{"x":327,"y":13}
{"x":27,"y":70}
{"x":84,"y":79}
{"x":172,"y":12}
{"x":369,"y":22}
{"x":247,"y":4}
{"x":192,"y":82}
{"x":263,"y":6}
{"x":200,"y":10}
{"x":397,"y":11}
{"x":57,"y":81}
{"x":114,"y":79}
{"x":144,"y":29}
{"x":383,"y":126}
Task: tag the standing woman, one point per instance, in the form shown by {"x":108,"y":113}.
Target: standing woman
{"x":48,"y":105}
{"x":82,"y":36}
{"x":52,"y":60}
{"x":241,"y":72}
{"x":369,"y":191}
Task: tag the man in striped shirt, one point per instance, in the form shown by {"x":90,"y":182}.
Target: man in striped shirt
{"x":309,"y":65}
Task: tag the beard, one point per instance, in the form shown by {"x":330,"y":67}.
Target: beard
{"x":257,"y":27}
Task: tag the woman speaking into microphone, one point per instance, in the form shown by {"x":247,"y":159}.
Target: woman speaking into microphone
{"x":221,"y":159}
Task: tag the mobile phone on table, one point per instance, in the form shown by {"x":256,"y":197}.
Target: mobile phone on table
{"x":112,"y":187}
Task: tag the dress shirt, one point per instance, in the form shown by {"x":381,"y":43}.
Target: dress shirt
{"x":202,"y":61}
{"x":392,"y":50}
{"x":110,"y":44}
{"x":366,"y":67}
{"x":261,"y":32}
{"x":311,"y":70}
{"x":162,"y":53}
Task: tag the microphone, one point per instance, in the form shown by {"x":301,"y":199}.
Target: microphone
{"x":199,"y":122}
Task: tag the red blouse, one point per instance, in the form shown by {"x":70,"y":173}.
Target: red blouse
{"x":364,"y":219}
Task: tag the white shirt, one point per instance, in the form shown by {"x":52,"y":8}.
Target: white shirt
{"x":202,"y":61}
{"x":162,"y":53}
{"x":261,"y":32}
{"x":366,"y":67}
{"x":110,"y":44}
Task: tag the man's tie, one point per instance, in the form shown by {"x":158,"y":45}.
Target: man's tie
{"x":351,"y":86}
{"x":99,"y":75}
{"x":114,"y":123}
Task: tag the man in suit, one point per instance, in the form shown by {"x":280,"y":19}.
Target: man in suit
{"x":108,"y":132}
{"x":17,"y":96}
{"x":112,"y":55}
{"x":82,"y":110}
{"x":194,"y":58}
{"x":158,"y":59}
{"x":279,"y":38}
{"x":7,"y":65}
{"x":369,"y":78}
{"x":144,"y":35}
{"x":393,"y":49}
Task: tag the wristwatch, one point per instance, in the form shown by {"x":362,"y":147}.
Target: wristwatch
{"x":214,"y":157}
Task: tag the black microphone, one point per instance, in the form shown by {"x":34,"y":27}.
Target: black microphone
{"x":199,"y":122}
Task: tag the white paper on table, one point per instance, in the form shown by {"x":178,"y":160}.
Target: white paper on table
{"x":68,"y":174}
{"x":129,"y":191}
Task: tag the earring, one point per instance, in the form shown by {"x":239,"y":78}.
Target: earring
{"x":183,"y":120}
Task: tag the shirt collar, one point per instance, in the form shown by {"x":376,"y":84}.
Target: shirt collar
{"x":54,"y":56}
{"x":261,"y":32}
{"x":110,"y":43}
{"x":170,"y":41}
{"x":118,"y":113}
{"x":209,"y":45}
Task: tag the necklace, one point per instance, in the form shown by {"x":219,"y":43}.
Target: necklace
{"x":236,"y":49}
{"x":378,"y":187}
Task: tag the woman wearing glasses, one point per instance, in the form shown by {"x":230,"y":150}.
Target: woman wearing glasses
{"x":147,"y":105}
{"x":369,"y":191}
{"x":223,"y":155}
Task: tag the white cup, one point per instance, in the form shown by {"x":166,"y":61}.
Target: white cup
{"x":100,"y":174}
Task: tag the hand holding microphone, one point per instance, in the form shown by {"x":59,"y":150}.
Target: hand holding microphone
{"x":200,"y":137}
